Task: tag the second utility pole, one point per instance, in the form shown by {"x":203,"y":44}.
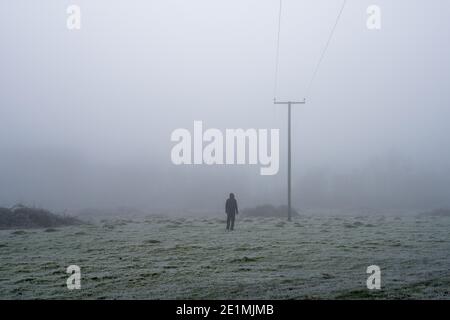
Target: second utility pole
{"x":289,"y":103}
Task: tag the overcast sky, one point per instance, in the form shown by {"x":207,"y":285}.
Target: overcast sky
{"x":86,"y":115}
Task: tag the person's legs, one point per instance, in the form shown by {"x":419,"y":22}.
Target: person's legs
{"x":228,"y":221}
{"x":232,"y":221}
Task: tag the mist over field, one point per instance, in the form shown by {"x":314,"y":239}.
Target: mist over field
{"x":89,"y":187}
{"x":87,"y":115}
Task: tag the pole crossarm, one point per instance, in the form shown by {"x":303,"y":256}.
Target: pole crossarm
{"x":289,"y":102}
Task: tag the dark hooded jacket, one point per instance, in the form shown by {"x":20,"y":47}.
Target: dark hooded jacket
{"x":231,"y":206}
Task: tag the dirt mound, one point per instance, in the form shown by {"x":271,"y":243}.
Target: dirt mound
{"x":441,"y":212}
{"x":20,"y":217}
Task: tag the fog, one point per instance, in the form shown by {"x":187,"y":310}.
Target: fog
{"x":86,"y":115}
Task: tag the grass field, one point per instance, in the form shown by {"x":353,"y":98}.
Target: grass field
{"x":313,"y":257}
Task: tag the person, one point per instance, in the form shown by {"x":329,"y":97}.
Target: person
{"x":231,"y":209}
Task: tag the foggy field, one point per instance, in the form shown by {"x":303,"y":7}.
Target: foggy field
{"x":140,"y":119}
{"x":194,"y":258}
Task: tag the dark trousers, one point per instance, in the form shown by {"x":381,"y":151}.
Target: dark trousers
{"x":230,"y":221}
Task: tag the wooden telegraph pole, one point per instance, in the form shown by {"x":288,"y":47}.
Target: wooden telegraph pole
{"x":289,"y":104}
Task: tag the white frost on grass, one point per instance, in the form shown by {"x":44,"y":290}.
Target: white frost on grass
{"x":173,"y":258}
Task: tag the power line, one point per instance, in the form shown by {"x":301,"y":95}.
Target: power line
{"x":278,"y":52}
{"x":290,"y":103}
{"x":325,"y":48}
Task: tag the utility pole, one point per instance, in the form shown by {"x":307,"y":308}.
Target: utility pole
{"x":289,"y":103}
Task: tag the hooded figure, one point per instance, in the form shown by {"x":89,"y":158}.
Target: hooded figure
{"x":231,"y":208}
